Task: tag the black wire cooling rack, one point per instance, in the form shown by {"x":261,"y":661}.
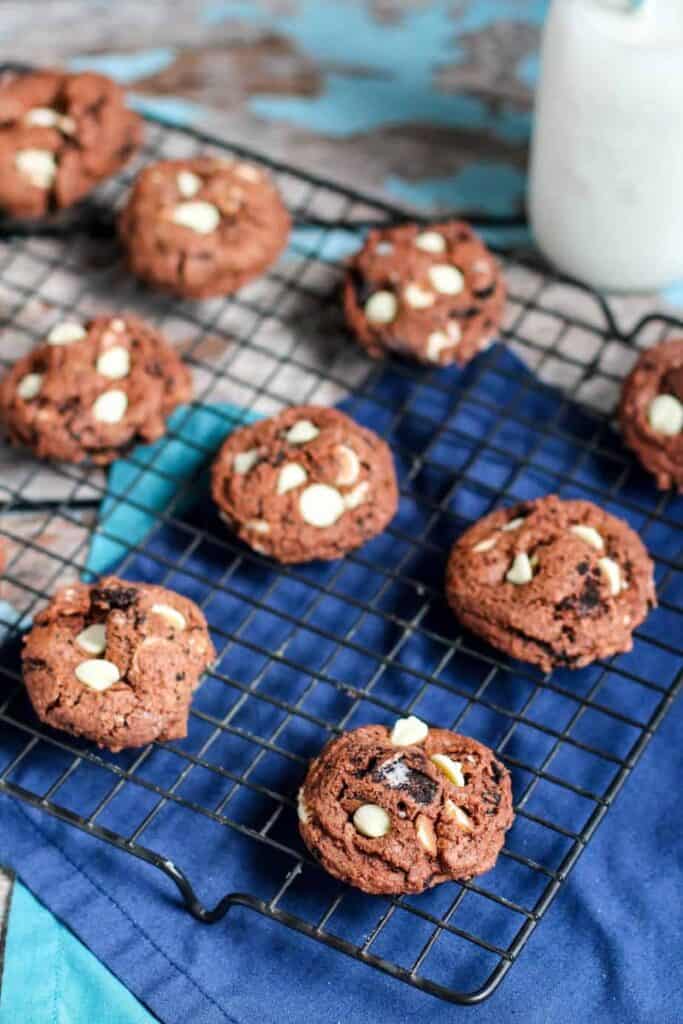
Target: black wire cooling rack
{"x":570,"y":739}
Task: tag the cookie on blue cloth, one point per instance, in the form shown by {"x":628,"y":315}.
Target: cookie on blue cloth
{"x":309,"y":483}
{"x":651,"y":412}
{"x":400,"y":810}
{"x":557,"y":583}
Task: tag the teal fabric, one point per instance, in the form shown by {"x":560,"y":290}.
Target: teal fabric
{"x":51,"y":978}
{"x":135,"y":494}
{"x":49,"y":975}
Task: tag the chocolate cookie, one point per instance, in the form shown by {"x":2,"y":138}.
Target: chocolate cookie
{"x":434,"y":293}
{"x":116,"y":662}
{"x":60,"y":134}
{"x":202,"y":227}
{"x":308,"y":483}
{"x":402,"y":810}
{"x":93,"y":390}
{"x":557,"y":583}
{"x":651,"y":412}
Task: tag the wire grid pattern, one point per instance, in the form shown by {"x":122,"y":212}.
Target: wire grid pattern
{"x":280,"y":687}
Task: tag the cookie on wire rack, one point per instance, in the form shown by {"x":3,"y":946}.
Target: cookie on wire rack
{"x":553,"y":582}
{"x":308,"y":483}
{"x":93,"y":389}
{"x":401,"y":810}
{"x":60,"y":135}
{"x":435,"y":294}
{"x":202,"y":227}
{"x":116,"y":662}
{"x":651,"y":412}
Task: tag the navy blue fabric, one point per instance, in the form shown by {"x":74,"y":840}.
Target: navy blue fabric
{"x":610,"y":945}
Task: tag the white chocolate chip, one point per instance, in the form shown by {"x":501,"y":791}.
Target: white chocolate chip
{"x":450,"y":768}
{"x":97,"y":673}
{"x":38,"y":165}
{"x":514,"y":524}
{"x":372,"y":821}
{"x":612,"y":573}
{"x":247,"y":172}
{"x":244,"y":461}
{"x":67,"y":125}
{"x":65,"y":333}
{"x":418,"y":298}
{"x":117,"y":325}
{"x":453,"y":331}
{"x":321,"y":505}
{"x":197,"y":215}
{"x":349,"y":465}
{"x":446,"y":279}
{"x":485,"y":545}
{"x":408,"y":730}
{"x":93,"y":640}
{"x":666,"y":415}
{"x":29,"y":386}
{"x":258,"y":525}
{"x":381,"y":307}
{"x":45,"y":117}
{"x":431,"y":241}
{"x":424,"y":830}
{"x":356,"y":497}
{"x":114,"y":363}
{"x":384,"y":248}
{"x":302,"y":432}
{"x":301,"y":808}
{"x":457,"y":814}
{"x":188,"y":183}
{"x":291,"y":475}
{"x":111,"y":406}
{"x":589,"y":534}
{"x":174,"y":618}
{"x":436,"y":343}
{"x":521,"y":570}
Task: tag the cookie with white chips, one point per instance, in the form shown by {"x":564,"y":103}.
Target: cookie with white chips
{"x":557,"y":583}
{"x":400,"y":810}
{"x":651,"y":412}
{"x":433,"y":293}
{"x":116,"y":662}
{"x":202,"y":227}
{"x":60,"y":135}
{"x":92,"y":389}
{"x":308,"y":483}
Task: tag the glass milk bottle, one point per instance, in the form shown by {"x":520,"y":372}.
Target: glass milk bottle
{"x":606,"y":181}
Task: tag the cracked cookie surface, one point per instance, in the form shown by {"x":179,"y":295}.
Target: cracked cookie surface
{"x":651,"y":412}
{"x":554,"y":582}
{"x":309,"y":483}
{"x":433,"y":293}
{"x":401,"y":810}
{"x":116,"y":662}
{"x":202,"y":227}
{"x":93,"y":390}
{"x":60,"y":135}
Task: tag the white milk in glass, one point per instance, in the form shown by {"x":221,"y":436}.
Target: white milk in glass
{"x":606,"y":180}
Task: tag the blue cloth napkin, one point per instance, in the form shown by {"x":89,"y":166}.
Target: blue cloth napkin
{"x":609,"y":946}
